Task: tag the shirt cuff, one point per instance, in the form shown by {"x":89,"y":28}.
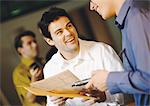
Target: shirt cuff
{"x":112,"y":82}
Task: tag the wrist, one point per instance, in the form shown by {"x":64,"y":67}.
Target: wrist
{"x":33,"y":79}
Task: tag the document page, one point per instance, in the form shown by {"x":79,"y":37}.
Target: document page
{"x":57,"y":85}
{"x":59,"y":82}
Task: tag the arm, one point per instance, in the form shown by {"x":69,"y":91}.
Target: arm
{"x":36,"y":74}
{"x":20,"y":80}
{"x":128,"y":82}
{"x":137,"y":80}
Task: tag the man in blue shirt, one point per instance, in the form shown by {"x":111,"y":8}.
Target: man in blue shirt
{"x":133,"y":19}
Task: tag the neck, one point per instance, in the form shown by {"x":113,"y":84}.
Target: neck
{"x":27,"y":61}
{"x":28,"y":58}
{"x":118,"y":5}
{"x":70,"y":55}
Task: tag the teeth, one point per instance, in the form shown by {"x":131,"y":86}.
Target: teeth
{"x":69,"y":40}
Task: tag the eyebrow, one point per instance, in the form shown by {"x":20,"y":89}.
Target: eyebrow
{"x":68,"y":23}
{"x":57,"y":30}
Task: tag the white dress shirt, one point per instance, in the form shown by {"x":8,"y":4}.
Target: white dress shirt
{"x":92,"y":56}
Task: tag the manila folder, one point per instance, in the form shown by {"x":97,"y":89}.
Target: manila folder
{"x":57,"y":85}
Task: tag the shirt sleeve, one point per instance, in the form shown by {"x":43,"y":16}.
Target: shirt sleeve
{"x":138,"y":80}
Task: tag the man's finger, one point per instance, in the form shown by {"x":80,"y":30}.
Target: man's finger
{"x":33,"y":72}
{"x":39,"y":72}
{"x":59,"y":101}
{"x":94,"y":72}
{"x":90,"y":102}
{"x":53,"y":98}
{"x":89,"y":85}
{"x":83,"y":100}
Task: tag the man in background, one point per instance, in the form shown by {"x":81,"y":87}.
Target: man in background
{"x":29,"y":69}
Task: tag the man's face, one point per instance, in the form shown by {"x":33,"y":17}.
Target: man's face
{"x":103,"y":7}
{"x":29,"y":47}
{"x":64,"y":35}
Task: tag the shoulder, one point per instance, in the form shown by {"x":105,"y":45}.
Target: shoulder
{"x":138,"y":23}
{"x":18,"y":72}
{"x":98,"y":47}
{"x":51,"y":64}
{"x":53,"y":60}
{"x":94,"y":44}
{"x":18,"y":69}
{"x":103,"y":51}
{"x":138,"y":16}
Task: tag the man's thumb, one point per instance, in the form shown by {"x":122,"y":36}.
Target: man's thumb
{"x":89,"y":85}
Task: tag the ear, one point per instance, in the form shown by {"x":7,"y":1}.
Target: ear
{"x":49,"y":41}
{"x":20,"y":50}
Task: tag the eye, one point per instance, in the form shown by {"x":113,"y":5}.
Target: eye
{"x":69,"y":25}
{"x":29,"y":43}
{"x":59,"y":32}
{"x":34,"y":41}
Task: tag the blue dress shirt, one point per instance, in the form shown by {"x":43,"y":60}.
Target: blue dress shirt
{"x":135,"y":27}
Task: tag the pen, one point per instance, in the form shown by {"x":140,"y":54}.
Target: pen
{"x":80,"y":83}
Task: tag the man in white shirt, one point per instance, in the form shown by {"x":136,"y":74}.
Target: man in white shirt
{"x":81,"y":57}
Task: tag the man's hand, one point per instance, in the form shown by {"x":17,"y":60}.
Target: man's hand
{"x":59,"y":101}
{"x":98,"y":96}
{"x":98,"y":80}
{"x":36,"y":74}
{"x":89,"y":102}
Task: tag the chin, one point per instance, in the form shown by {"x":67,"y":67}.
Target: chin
{"x":35,"y":55}
{"x":106,"y":17}
{"x":73,"y":48}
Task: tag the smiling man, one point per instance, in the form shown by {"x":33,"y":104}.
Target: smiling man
{"x":79,"y":56}
{"x":67,"y":44}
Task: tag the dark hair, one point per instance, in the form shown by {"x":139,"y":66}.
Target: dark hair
{"x":49,"y":16}
{"x":50,"y":53}
{"x":18,"y":41}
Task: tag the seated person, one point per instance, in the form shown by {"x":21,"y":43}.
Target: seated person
{"x":81,"y":57}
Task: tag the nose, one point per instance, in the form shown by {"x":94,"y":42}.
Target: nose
{"x":92,"y":6}
{"x":67,"y":32}
{"x":34,"y":44}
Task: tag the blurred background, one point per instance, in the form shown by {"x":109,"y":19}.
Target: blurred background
{"x":19,"y":15}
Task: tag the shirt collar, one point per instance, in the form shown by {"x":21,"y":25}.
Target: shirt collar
{"x":123,"y":13}
{"x":84,"y":51}
{"x":83,"y":54}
